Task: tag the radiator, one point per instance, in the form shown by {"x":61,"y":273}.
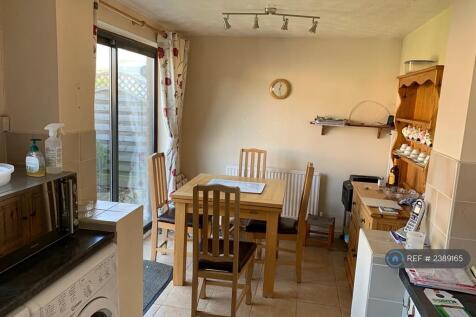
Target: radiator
{"x":294,"y":184}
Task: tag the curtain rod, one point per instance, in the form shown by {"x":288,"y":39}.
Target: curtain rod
{"x":129,"y":17}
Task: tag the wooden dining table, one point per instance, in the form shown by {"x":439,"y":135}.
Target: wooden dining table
{"x":266,"y":206}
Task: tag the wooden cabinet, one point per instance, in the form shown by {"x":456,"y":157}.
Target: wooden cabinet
{"x":14,"y":226}
{"x":39,"y":222}
{"x":23,"y":218}
{"x":365,"y":217}
{"x":419,"y":95}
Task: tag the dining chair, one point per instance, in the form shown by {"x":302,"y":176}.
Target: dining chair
{"x":163,"y":213}
{"x":252,"y":163}
{"x":288,"y":228}
{"x":221,"y":259}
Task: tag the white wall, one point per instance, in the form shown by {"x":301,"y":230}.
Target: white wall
{"x":228,"y":105}
{"x":429,"y":41}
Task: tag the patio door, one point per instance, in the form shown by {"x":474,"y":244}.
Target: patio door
{"x":125,"y":118}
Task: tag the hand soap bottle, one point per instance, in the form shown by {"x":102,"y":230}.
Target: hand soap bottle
{"x":35,"y":162}
{"x":54,"y":149}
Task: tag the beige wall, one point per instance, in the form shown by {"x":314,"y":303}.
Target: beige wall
{"x":2,"y":65}
{"x":228,"y":106}
{"x":429,"y":41}
{"x":452,"y":173}
{"x":31,"y":69}
{"x":115,"y":23}
{"x":76,"y":68}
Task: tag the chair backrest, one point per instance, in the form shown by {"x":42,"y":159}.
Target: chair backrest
{"x":248,"y":159}
{"x":220,"y":200}
{"x":306,"y":192}
{"x":157,"y":183}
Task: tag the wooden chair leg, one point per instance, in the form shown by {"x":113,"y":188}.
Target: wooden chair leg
{"x":249,"y":276}
{"x":277,"y":249}
{"x":166,"y":234}
{"x":203,"y":290}
{"x":234,"y":288}
{"x":259,"y":250}
{"x":299,"y":257}
{"x":308,"y":234}
{"x":330,"y":237}
{"x":153,"y":241}
{"x":194,"y":294}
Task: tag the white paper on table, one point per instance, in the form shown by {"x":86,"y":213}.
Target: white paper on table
{"x":387,"y":203}
{"x":245,"y":187}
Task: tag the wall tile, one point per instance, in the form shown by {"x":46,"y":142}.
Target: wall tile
{"x":437,"y":238}
{"x":466,"y":182}
{"x":18,"y":145}
{"x":443,"y":213}
{"x":70,"y":147}
{"x":442,"y":173}
{"x":464,"y":221}
{"x":87,"y":145}
{"x":87,"y":174}
{"x":468,"y":245}
{"x":431,"y":196}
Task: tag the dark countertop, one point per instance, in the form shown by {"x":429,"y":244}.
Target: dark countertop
{"x":423,"y":304}
{"x":23,"y":282}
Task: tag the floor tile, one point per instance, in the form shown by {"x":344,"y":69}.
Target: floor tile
{"x":323,"y":292}
{"x":305,"y":309}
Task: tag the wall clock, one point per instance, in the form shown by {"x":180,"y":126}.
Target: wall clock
{"x":280,"y":88}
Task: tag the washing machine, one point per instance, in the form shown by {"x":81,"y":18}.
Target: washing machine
{"x":89,"y":290}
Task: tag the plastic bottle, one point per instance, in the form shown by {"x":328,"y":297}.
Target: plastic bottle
{"x":54,"y":149}
{"x":35,"y":162}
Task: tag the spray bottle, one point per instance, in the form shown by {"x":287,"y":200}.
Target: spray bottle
{"x":54,"y":149}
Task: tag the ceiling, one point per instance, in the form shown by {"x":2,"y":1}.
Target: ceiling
{"x":339,"y":18}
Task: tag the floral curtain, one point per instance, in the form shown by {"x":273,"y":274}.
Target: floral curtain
{"x":172,"y":69}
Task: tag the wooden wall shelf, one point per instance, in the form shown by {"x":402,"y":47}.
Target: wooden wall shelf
{"x":419,"y":123}
{"x":380,"y":128}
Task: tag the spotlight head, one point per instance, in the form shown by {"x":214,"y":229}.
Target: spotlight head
{"x":227,"y":24}
{"x":313,"y":28}
{"x":256,"y":24}
{"x":285,"y":24}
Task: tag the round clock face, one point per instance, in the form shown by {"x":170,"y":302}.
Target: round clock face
{"x":280,"y":88}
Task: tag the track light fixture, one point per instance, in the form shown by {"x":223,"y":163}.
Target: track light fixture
{"x":285,"y":24}
{"x":227,"y":24}
{"x":313,"y":28}
{"x":272,"y":11}
{"x":256,"y":24}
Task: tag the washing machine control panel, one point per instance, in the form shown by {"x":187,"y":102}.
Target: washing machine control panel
{"x":73,"y":299}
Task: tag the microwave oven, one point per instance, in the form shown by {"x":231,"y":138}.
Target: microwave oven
{"x":35,"y":213}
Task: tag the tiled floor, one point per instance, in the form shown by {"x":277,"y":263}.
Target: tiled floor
{"x":324,"y":291}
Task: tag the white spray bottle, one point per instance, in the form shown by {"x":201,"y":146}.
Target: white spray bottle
{"x":54,"y":149}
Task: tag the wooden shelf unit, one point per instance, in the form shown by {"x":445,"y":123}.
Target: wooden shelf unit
{"x":380,"y":127}
{"x":419,"y":95}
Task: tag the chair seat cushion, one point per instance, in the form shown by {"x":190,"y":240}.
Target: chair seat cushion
{"x":285,"y":226}
{"x":169,"y":217}
{"x":246,"y":250}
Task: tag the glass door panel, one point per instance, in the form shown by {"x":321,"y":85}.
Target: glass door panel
{"x":102,"y":121}
{"x":136,"y":126}
{"x":124,"y":113}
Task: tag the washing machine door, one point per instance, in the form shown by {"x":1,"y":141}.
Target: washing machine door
{"x":99,"y":307}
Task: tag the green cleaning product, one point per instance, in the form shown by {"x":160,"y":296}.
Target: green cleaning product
{"x":35,"y":162}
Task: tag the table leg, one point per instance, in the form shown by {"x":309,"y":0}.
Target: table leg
{"x":270,"y":255}
{"x":180,"y":245}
